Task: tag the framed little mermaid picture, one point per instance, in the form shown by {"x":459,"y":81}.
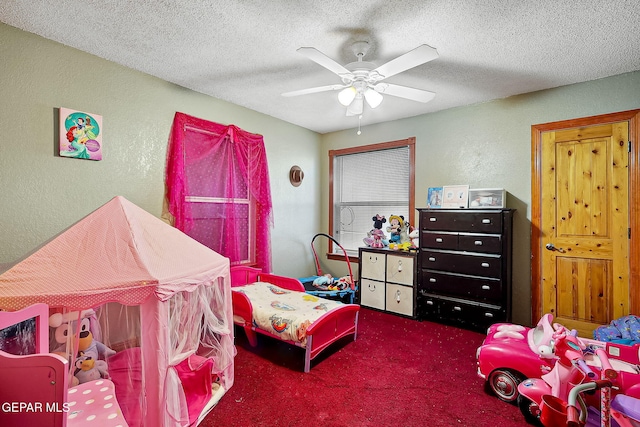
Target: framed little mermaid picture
{"x":80,"y":134}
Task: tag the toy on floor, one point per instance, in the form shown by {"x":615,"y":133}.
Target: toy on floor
{"x":330,"y":283}
{"x":512,"y":353}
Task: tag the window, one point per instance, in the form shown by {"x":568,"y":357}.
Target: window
{"x":367,"y":181}
{"x":218,"y":190}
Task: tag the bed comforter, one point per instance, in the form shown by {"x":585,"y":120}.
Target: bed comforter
{"x":285,"y":313}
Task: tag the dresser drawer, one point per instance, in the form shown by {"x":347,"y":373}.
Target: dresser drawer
{"x":399,"y":299}
{"x":438,"y":240}
{"x":457,"y":311}
{"x":436,"y":220}
{"x":485,"y":265}
{"x":480,"y":288}
{"x":475,"y":314}
{"x":372,"y":294}
{"x":490,"y":243}
{"x":372,"y":265}
{"x":465,"y":220}
{"x":400,"y":269}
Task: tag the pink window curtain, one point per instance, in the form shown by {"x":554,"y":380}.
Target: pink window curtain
{"x":208,"y":164}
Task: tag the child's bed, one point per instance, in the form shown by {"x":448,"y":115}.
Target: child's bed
{"x":35,"y":389}
{"x":287,"y":313}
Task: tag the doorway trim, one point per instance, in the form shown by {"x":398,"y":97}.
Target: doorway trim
{"x":633,"y":117}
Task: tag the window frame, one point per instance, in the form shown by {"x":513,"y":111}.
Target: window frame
{"x":408,"y":142}
{"x":251,"y":220}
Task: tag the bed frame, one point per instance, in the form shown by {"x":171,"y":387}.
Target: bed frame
{"x":328,"y":329}
{"x":34,"y":388}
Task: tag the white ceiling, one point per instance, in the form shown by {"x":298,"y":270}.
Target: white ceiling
{"x":244,"y":51}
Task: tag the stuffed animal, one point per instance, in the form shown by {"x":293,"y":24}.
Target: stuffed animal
{"x":378,"y":221}
{"x":414,"y":236}
{"x":400,"y":239}
{"x":88,"y":369}
{"x":75,"y":341}
{"x":376,"y":237}
{"x":396,"y":223}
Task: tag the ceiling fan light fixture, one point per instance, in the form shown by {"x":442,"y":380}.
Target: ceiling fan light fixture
{"x":373,"y":98}
{"x":346,"y":96}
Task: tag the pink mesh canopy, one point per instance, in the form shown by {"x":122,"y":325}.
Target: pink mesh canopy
{"x":216,"y":181}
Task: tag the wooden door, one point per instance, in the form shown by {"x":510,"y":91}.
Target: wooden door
{"x":583,"y":222}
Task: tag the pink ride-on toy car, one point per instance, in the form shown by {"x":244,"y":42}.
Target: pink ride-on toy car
{"x":506,"y":358}
{"x":512,"y":353}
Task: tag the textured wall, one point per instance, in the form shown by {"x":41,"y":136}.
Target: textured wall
{"x":41,"y":193}
{"x":489,"y":146}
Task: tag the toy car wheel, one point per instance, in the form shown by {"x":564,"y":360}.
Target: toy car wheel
{"x":504,"y":384}
{"x":530,"y":410}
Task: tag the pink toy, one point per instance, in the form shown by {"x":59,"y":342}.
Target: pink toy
{"x":573,"y":411}
{"x":160,"y":298}
{"x":505,"y":358}
{"x":34,"y":388}
{"x":569,"y":370}
{"x":512,"y":353}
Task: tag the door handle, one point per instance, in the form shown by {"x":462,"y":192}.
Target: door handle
{"x":552,"y":247}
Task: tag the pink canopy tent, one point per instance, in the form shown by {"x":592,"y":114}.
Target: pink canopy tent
{"x":162,"y":302}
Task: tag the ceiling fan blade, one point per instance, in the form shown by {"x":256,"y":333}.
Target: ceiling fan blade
{"x":320,"y":58}
{"x":404,"y":92}
{"x":420,"y":55}
{"x":314,"y":90}
{"x":356,"y":107}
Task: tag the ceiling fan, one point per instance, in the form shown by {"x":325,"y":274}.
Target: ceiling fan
{"x":362,"y":81}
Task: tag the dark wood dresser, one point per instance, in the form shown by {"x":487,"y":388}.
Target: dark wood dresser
{"x":464,"y":266}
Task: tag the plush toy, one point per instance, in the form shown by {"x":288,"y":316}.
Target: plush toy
{"x":323,"y":282}
{"x":396,"y":222}
{"x":376,"y":237}
{"x":400,"y":239}
{"x":378,"y":221}
{"x":414,"y":235}
{"x":68,"y":335}
{"x":89,"y":369}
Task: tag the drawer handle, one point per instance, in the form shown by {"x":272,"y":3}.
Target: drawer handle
{"x":485,"y":264}
{"x":439,"y":240}
{"x":432,"y":279}
{"x":432,"y":219}
{"x":398,"y":297}
{"x":429,"y":302}
{"x":478,"y":243}
{"x":488,"y":315}
{"x":486,"y":221}
{"x":431,"y":259}
{"x":486,"y":287}
{"x":456,"y":308}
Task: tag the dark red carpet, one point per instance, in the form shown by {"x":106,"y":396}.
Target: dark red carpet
{"x":399,"y":372}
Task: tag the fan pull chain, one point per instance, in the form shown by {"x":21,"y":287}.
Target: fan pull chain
{"x":359,"y":118}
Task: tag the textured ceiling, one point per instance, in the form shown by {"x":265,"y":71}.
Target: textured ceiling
{"x":244,"y":51}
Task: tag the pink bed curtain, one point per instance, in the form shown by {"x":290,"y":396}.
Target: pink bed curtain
{"x":216,"y":181}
